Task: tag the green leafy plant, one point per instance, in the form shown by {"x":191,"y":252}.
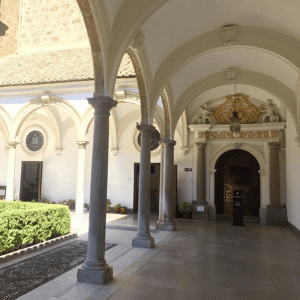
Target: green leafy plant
{"x":26,"y":222}
{"x":108,"y":203}
{"x":118,"y":205}
{"x":186,"y":207}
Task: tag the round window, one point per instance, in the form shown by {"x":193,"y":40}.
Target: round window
{"x":34,"y":140}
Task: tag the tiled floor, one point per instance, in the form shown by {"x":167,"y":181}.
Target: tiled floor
{"x":202,"y":260}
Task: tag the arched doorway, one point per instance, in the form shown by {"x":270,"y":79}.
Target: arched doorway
{"x":237,"y":169}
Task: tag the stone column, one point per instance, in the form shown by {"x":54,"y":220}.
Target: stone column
{"x":95,"y":269}
{"x":263,"y":208}
{"x":200,"y":207}
{"x":167,"y":223}
{"x":274,"y":174}
{"x":201,"y":173}
{"x":10,"y":182}
{"x":161,"y":183}
{"x":143,"y":238}
{"x":212,"y":206}
{"x":276,"y":214}
{"x":80,"y":176}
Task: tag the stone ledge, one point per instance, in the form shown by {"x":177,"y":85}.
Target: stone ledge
{"x":34,"y":248}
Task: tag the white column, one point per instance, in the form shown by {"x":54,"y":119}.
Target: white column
{"x":10,"y":182}
{"x":167,"y":223}
{"x":143,"y":238}
{"x":95,"y":269}
{"x":161,"y":183}
{"x":80,"y":176}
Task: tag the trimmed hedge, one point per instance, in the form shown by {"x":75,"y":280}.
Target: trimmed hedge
{"x":25,"y":222}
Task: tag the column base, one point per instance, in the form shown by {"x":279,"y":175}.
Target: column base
{"x":200,"y":211}
{"x":212,"y":212}
{"x":263,"y":215}
{"x":143,"y":242}
{"x":163,"y":226}
{"x":277,"y":215}
{"x":96,"y":277}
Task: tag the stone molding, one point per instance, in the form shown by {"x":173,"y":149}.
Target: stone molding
{"x":229,"y":34}
{"x":46,"y":100}
{"x":82,"y":144}
{"x":13,"y":144}
{"x":102,"y":104}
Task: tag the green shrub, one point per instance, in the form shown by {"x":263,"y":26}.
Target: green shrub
{"x":23,"y":222}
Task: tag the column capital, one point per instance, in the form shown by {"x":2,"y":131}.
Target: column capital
{"x":144,"y":128}
{"x":82,"y":144}
{"x":13,"y":144}
{"x":201,"y":145}
{"x":167,"y":142}
{"x":274,"y":145}
{"x":102,"y":104}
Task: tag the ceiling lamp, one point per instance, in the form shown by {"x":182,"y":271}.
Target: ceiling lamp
{"x":235,"y":121}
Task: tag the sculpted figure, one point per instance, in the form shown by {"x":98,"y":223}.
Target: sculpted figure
{"x":268,"y":110}
{"x":205,"y":114}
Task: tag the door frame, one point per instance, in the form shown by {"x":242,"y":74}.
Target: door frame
{"x":40,"y":176}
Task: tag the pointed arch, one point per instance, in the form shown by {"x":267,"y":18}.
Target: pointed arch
{"x":35,"y":105}
{"x":141,"y":84}
{"x":264,"y":82}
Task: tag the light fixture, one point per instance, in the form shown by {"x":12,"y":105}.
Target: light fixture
{"x":235,"y":121}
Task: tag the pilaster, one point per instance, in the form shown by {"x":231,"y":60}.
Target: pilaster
{"x":80,"y":176}
{"x":10,"y":182}
{"x":276,"y":214}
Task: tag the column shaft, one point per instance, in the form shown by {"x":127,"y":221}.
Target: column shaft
{"x":80,"y":176}
{"x":143,"y":238}
{"x":167,"y":223}
{"x":274,"y":174}
{"x":161,"y":184}
{"x":10,"y":182}
{"x":95,"y":269}
{"x":201,"y":173}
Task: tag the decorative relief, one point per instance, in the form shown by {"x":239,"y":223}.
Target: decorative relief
{"x":269,"y":111}
{"x":46,"y":100}
{"x":229,"y":34}
{"x":247,"y":111}
{"x":34,"y":140}
{"x":242,"y":135}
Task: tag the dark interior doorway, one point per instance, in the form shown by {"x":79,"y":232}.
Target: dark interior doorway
{"x":237,"y":169}
{"x":31,"y":180}
{"x":154,"y":187}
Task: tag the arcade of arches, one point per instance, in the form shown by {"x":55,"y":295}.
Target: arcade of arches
{"x":93,"y":90}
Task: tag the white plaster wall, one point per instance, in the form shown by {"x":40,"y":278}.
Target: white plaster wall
{"x":292,"y":173}
{"x":121,"y":169}
{"x":59,"y":172}
{"x":3,"y":160}
{"x":184,"y":179}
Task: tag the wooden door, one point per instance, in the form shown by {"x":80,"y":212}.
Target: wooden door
{"x":31,"y":181}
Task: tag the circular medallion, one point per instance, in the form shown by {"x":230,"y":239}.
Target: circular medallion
{"x":155,"y":138}
{"x":34,"y":140}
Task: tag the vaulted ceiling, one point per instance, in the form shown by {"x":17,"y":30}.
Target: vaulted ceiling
{"x":182,"y":48}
